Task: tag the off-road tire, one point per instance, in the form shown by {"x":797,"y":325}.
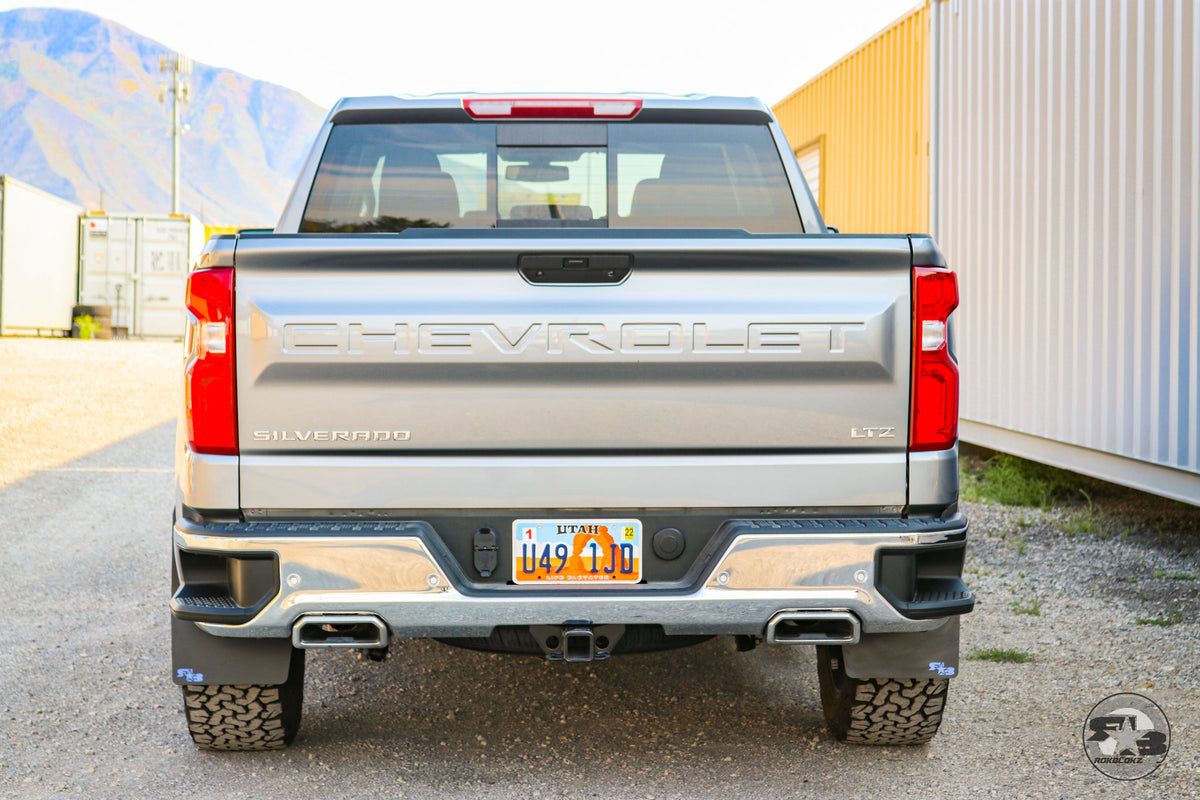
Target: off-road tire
{"x":878,"y":711}
{"x":251,"y":717}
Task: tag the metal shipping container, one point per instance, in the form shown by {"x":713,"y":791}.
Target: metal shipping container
{"x":138,"y":265}
{"x":39,"y":257}
{"x":1063,"y":183}
{"x":1069,"y":196}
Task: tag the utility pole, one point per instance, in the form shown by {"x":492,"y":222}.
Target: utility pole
{"x":181,"y":92}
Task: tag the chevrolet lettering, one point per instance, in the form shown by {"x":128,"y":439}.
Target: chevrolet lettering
{"x":802,"y":339}
{"x":570,"y":378}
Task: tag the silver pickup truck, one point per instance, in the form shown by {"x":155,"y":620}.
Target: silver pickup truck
{"x":571,"y":377}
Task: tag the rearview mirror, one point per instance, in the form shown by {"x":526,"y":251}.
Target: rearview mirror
{"x":537,"y":173}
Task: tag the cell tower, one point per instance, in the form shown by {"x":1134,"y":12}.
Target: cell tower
{"x":180,"y":90}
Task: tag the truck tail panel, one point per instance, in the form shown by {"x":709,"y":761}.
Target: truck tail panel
{"x":795,"y":348}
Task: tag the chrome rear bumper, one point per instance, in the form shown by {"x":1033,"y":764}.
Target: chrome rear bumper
{"x":387,"y":569}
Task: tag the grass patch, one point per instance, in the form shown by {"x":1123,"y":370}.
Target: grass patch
{"x":1172,"y":617}
{"x":1174,"y":576}
{"x":1079,"y":523}
{"x":1000,"y":655}
{"x":1013,"y":481}
{"x":1031,"y":607}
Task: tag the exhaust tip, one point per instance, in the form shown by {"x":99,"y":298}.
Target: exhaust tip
{"x":339,"y":630}
{"x":813,"y":627}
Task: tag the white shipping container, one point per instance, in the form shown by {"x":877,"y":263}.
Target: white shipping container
{"x":1070,"y":182}
{"x":39,"y":256}
{"x":139,"y":266}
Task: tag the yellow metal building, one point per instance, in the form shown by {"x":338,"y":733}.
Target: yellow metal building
{"x":860,"y":130}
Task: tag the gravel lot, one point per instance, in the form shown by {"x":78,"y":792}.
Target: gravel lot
{"x":87,"y":708}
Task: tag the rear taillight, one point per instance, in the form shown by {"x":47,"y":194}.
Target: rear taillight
{"x":209,"y":373}
{"x":552,"y":107}
{"x":935,"y":375}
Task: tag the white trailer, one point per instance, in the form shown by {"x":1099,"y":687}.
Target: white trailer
{"x":138,"y":265}
{"x":39,"y":257}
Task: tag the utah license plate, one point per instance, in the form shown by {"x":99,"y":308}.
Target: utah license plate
{"x":577,"y":551}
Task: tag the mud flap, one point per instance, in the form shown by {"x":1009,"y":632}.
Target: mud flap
{"x":927,"y":654}
{"x":201,"y":659}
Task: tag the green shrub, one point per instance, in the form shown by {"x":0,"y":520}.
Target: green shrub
{"x":86,"y":326}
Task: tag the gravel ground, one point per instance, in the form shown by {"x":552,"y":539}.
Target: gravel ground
{"x":64,"y":398}
{"x":87,"y":708}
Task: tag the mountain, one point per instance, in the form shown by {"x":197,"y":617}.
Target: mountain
{"x":80,"y":116}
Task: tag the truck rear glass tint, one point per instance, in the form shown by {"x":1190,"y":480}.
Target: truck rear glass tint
{"x":391,"y":177}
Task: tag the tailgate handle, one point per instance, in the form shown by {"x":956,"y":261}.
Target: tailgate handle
{"x":607,"y":268}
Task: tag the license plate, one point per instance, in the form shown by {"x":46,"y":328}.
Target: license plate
{"x":577,"y":551}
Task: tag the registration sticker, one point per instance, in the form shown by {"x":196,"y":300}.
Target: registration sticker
{"x":577,"y":551}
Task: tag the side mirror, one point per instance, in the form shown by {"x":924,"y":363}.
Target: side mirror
{"x":831,"y":229}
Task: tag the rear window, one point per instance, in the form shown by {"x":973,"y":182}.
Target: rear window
{"x":392,"y":177}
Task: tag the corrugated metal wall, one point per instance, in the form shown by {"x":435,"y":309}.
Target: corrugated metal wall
{"x":870,"y":112}
{"x":1070,"y":205}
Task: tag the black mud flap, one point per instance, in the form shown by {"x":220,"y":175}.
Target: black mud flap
{"x":202,"y":659}
{"x":927,"y":654}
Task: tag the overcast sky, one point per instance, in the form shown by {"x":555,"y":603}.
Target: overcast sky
{"x":339,"y":48}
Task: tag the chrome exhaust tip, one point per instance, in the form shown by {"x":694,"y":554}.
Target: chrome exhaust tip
{"x":340,"y":630}
{"x":813,"y":627}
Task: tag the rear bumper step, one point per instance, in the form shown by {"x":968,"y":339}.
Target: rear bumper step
{"x":936,"y":597}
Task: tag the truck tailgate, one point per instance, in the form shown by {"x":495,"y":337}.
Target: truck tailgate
{"x":387,"y":349}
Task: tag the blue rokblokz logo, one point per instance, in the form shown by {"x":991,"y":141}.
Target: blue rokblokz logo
{"x":1126,"y":736}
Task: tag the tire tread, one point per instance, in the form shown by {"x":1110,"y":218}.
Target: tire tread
{"x":250,"y":717}
{"x":225,"y":717}
{"x":880,"y":711}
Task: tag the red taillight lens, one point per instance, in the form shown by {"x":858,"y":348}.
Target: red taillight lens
{"x":935,"y":375}
{"x":552,"y":107}
{"x":209,"y":373}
